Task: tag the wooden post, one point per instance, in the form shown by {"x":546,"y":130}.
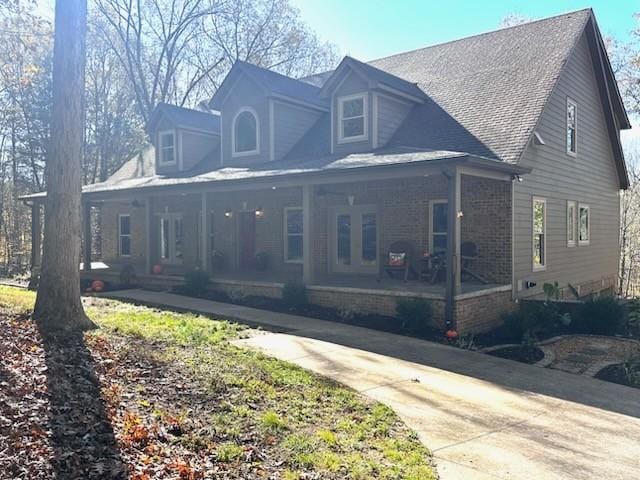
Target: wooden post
{"x":36,"y":243}
{"x":307,"y":234}
{"x":204,"y":242}
{"x":86,"y":223}
{"x":148,"y":235}
{"x":453,"y":245}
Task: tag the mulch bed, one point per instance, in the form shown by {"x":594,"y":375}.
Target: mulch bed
{"x":524,"y":354}
{"x":615,"y":374}
{"x":376,"y":322}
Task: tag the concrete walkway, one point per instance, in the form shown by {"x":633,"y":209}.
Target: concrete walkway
{"x":483,"y":417}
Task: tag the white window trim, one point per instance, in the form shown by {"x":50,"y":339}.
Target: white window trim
{"x":286,"y":235}
{"x":248,"y":153}
{"x":171,"y":218}
{"x":431,"y":232}
{"x":120,"y":235}
{"x":365,"y":114}
{"x":543,"y":267}
{"x":573,"y":226}
{"x":588,"y":240}
{"x":571,"y":102}
{"x":161,"y":162}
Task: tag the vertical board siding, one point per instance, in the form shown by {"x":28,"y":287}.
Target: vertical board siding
{"x":589,"y":178}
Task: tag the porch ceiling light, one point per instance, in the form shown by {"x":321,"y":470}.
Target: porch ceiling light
{"x":228,"y":213}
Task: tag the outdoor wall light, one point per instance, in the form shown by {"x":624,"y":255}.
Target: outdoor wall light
{"x":259,"y":212}
{"x":228,"y":213}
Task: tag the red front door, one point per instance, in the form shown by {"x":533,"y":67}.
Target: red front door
{"x":247,"y":237}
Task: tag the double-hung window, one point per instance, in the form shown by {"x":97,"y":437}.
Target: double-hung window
{"x":167,"y":154}
{"x":584,"y":224}
{"x":293,"y":234}
{"x":571,"y":223}
{"x":572,"y":127}
{"x":352,"y":118}
{"x":539,"y":234}
{"x":124,"y":235}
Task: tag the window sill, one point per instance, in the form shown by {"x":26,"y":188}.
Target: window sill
{"x":245,"y":154}
{"x":360,"y":138}
{"x":540,"y":269}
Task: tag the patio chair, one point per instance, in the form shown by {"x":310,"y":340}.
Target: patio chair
{"x":398,"y":259}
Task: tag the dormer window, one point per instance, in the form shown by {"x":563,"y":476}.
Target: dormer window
{"x":352,"y":118}
{"x":167,"y":155}
{"x":246,"y":130}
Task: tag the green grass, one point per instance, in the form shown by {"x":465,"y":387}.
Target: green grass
{"x":307,"y":422}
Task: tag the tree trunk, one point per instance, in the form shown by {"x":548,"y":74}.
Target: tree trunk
{"x":58,"y":303}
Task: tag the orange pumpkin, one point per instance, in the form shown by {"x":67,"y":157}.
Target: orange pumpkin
{"x":451,"y":334}
{"x":157,"y":269}
{"x":97,"y":285}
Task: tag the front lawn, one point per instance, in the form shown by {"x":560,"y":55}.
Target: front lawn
{"x":161,"y":395}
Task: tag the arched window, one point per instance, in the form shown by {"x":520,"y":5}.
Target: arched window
{"x":245,"y":133}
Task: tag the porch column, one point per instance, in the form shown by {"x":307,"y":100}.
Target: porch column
{"x":86,"y":223}
{"x":204,"y":241}
{"x":307,"y":234}
{"x":149,"y":234}
{"x":453,"y":245}
{"x":36,"y":243}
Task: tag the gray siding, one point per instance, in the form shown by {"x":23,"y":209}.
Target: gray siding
{"x":290,"y":124}
{"x":351,"y":84}
{"x":195,"y":146}
{"x":588,"y":178}
{"x":245,"y":94}
{"x":391,"y":114}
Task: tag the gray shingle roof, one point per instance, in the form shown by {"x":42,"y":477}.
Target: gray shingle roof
{"x":276,"y":83}
{"x":376,"y":76}
{"x":487,"y":91}
{"x":187,"y":117}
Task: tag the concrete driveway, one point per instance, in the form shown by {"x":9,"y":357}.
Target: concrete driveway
{"x":482,"y":417}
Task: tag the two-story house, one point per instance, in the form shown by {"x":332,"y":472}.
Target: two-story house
{"x":493,"y":163}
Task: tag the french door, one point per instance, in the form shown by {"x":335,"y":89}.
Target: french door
{"x":171,"y":238}
{"x":354,"y":239}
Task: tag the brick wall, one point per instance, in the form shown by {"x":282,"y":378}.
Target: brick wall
{"x":482,"y":313}
{"x":109,"y":231}
{"x":486,"y":206}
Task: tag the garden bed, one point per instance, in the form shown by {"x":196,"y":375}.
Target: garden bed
{"x":519,"y":353}
{"x":616,"y":374}
{"x":368,"y":320}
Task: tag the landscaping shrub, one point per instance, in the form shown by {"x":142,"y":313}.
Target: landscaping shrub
{"x":531,"y":321}
{"x":294,"y":295}
{"x":415,"y":314}
{"x":127,"y":275}
{"x":600,"y":316}
{"x":195,"y":282}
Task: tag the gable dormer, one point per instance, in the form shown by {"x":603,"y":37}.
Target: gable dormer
{"x":263,"y":113}
{"x":367,"y":105}
{"x":183,"y":138}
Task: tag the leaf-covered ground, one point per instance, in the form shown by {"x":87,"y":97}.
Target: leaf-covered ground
{"x":161,"y":395}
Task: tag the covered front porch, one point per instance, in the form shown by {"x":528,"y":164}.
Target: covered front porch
{"x":333,"y":233}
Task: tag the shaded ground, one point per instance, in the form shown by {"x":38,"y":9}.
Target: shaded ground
{"x":155,"y":395}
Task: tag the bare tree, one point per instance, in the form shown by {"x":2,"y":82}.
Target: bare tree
{"x":513,"y":19}
{"x":151,"y":39}
{"x":58,"y":303}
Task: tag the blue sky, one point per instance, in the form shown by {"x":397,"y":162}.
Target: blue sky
{"x":374,"y":28}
